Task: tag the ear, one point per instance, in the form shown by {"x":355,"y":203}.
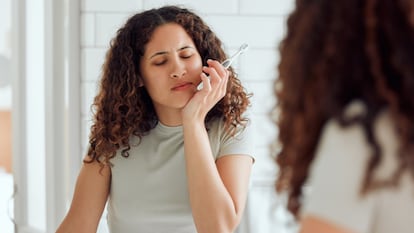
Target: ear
{"x":140,"y":82}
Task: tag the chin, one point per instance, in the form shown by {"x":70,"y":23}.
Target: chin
{"x":177,"y":104}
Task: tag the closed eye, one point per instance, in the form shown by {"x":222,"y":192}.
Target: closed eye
{"x":186,"y":56}
{"x":186,"y":52}
{"x":159,"y":63}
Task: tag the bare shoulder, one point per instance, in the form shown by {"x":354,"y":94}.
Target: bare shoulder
{"x":311,"y":224}
{"x":89,"y":199}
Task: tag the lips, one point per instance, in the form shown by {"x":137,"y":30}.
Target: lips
{"x":182,"y":86}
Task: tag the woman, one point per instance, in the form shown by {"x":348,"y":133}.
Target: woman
{"x":346,"y":115}
{"x":168,"y":158}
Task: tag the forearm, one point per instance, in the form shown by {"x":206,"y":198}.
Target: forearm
{"x":74,"y":224}
{"x":212,"y":206}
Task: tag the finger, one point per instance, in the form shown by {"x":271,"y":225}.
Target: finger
{"x":225,"y":82}
{"x":219,"y":90}
{"x":221,"y":71}
{"x":212,"y":73}
{"x":222,"y":89}
{"x":206,"y":82}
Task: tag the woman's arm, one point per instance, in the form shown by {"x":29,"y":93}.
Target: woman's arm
{"x":311,"y":224}
{"x":217,"y":189}
{"x":89,"y":199}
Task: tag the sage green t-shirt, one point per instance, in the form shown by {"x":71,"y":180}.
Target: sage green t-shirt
{"x":149,"y":188}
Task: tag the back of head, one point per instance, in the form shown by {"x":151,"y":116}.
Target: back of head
{"x":336,"y":52}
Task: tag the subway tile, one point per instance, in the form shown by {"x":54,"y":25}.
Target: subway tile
{"x":92,"y":60}
{"x":266,"y":211}
{"x":265,"y":130}
{"x":199,"y":7}
{"x":264,"y":169}
{"x":87,"y":29}
{"x":259,"y":64}
{"x":86,"y":123}
{"x":258,"y":32}
{"x":111,"y":6}
{"x":263,"y":100}
{"x":89,"y":91}
{"x":107,"y":25}
{"x":266,"y":7}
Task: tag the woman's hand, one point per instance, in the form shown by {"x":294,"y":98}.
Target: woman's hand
{"x":212,"y":92}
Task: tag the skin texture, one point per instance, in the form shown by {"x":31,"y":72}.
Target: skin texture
{"x":171,"y":68}
{"x":311,"y":224}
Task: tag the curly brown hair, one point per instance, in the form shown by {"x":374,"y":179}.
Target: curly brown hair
{"x":123,"y":108}
{"x":336,"y":52}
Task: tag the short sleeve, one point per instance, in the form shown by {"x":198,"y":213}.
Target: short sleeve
{"x":336,"y":176}
{"x":241,"y":143}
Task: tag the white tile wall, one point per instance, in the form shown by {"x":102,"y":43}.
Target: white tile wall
{"x":89,"y":90}
{"x":262,"y":100}
{"x":259,"y":65}
{"x":265,"y":213}
{"x":257,"y":31}
{"x":87,"y":30}
{"x":106,"y":26}
{"x":261,"y":24}
{"x":91,"y":63}
{"x":264,"y":7}
{"x":199,"y":6}
{"x":110,"y":5}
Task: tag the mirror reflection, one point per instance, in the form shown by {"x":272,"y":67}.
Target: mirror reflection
{"x":234,"y":23}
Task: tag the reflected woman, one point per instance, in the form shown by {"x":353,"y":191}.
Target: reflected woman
{"x":166,"y":157}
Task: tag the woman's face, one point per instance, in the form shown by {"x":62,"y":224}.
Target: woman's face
{"x":170,"y":67}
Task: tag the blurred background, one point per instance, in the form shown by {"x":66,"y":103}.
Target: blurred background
{"x":6,"y":180}
{"x":51,"y":52}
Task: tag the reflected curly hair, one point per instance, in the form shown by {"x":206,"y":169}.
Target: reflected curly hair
{"x":122,"y":108}
{"x":336,"y":52}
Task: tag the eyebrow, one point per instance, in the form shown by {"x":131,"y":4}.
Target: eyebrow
{"x":165,"y":52}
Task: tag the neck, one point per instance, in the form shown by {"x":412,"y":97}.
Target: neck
{"x":169,"y":117}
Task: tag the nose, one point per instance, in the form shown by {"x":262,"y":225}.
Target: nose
{"x":177,"y":69}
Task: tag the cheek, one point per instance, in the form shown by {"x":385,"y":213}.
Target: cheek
{"x":148,"y":74}
{"x":196,"y":66}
